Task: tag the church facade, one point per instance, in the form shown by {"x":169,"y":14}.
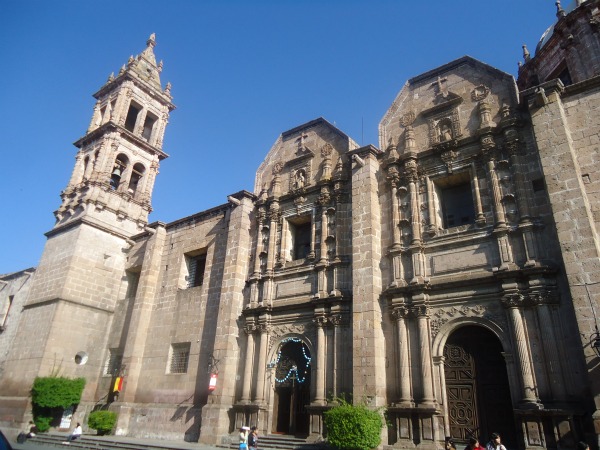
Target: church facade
{"x":450,"y":275}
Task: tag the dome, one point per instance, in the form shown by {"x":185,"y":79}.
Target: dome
{"x":550,"y":30}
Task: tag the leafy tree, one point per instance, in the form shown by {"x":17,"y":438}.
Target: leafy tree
{"x":51,"y":395}
{"x":353,"y":427}
{"x":102,"y":421}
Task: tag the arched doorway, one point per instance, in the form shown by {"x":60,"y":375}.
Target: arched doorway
{"x":292,"y":388}
{"x":477,"y":388}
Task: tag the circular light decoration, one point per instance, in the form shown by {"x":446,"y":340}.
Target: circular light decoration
{"x":288,"y":368}
{"x":81,"y":358}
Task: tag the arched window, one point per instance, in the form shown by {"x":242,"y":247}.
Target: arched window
{"x":136,"y":175}
{"x":118,"y":170}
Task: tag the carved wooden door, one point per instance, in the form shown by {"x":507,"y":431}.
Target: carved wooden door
{"x":477,"y":388}
{"x":459,"y":368}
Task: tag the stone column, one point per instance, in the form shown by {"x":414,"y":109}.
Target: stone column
{"x":248,"y":364}
{"x":395,"y":214}
{"x":323,"y":253}
{"x":431,"y":207}
{"x":480,"y":217}
{"x":405,"y":397}
{"x":425,"y":353}
{"x":313,"y":234}
{"x":499,"y":216}
{"x":512,"y":302}
{"x":336,"y":320}
{"x":320,"y":396}
{"x":262,"y":364}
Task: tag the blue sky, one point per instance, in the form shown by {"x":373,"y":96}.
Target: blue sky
{"x":242,"y":72}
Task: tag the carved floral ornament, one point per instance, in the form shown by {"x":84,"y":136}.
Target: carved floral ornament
{"x":277,"y":167}
{"x":479,"y":93}
{"x":326,"y":150}
{"x":407,"y":119}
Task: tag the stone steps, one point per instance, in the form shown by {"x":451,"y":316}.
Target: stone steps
{"x":280,"y":442}
{"x":268,"y":442}
{"x":108,"y":443}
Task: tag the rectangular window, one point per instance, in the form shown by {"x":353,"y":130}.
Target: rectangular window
{"x":455,"y":200}
{"x":195,"y":267}
{"x":4,"y":311}
{"x":132,"y":114}
{"x":149,"y":125}
{"x":133,"y":280}
{"x":113,"y":362}
{"x":179,"y":357}
{"x":300,"y":230}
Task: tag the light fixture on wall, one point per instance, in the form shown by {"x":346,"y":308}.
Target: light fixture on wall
{"x":595,"y":342}
{"x":595,"y":337}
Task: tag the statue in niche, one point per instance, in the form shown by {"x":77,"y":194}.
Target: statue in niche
{"x":299,"y":179}
{"x":445,"y":131}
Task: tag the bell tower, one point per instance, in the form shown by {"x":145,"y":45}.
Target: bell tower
{"x":111,"y":185}
{"x":80,"y":279}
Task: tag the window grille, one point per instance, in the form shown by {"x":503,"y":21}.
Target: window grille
{"x":180,"y":355}
{"x":196,"y":266}
{"x":113,"y":362}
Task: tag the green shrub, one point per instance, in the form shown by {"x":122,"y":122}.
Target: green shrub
{"x":50,"y":396}
{"x":102,"y":421}
{"x":353,"y":427}
{"x":42,"y":422}
{"x":57,"y":392}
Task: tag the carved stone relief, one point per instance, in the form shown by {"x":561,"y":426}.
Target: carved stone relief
{"x":441,"y":316}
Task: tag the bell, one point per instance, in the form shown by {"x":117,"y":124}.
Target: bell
{"x":117,"y":171}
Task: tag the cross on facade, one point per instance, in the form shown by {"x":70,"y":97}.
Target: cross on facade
{"x":439,"y":86}
{"x":300,"y":141}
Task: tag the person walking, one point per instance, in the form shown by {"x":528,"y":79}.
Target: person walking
{"x":253,"y":439}
{"x":244,"y":438}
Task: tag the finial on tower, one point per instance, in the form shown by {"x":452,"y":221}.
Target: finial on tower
{"x":160,"y":66}
{"x":151,"y":42}
{"x":559,"y":11}
{"x":526,"y":55}
{"x":111,"y":77}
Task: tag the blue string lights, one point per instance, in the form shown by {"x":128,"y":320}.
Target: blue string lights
{"x":293,"y":370}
